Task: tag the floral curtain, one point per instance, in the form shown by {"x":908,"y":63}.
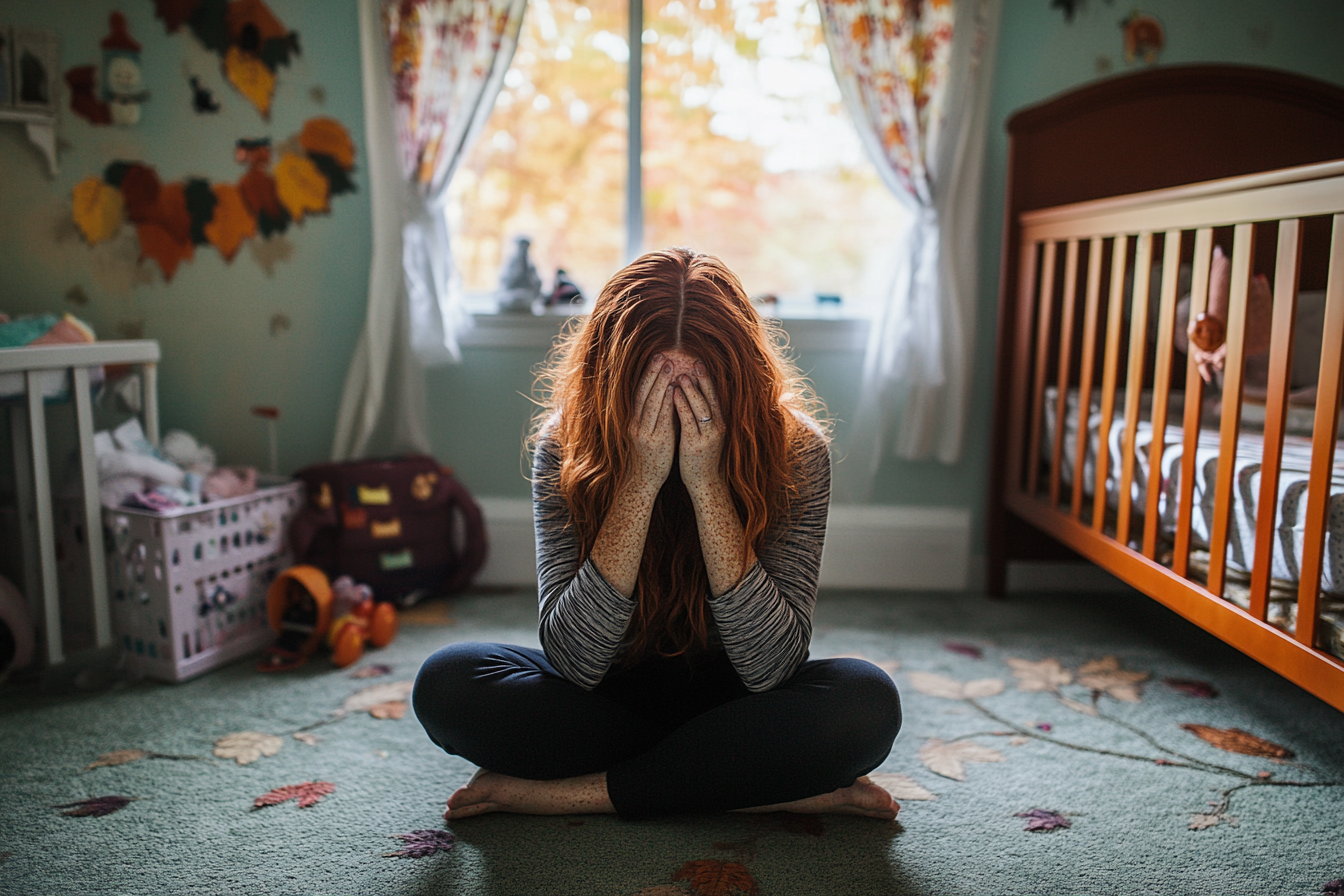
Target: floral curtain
{"x":432,"y":70}
{"x":914,"y":75}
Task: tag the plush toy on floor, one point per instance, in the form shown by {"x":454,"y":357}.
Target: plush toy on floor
{"x":306,"y":610}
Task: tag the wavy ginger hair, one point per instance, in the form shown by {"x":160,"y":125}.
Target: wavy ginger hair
{"x":674,"y":299}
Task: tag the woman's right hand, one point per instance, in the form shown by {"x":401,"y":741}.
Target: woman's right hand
{"x":651,"y":429}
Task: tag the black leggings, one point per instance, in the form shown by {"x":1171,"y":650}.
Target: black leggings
{"x":672,"y":736}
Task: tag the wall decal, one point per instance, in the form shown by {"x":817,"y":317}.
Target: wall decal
{"x":1144,"y":37}
{"x":251,"y":42}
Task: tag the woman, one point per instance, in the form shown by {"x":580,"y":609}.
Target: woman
{"x":680,"y":496}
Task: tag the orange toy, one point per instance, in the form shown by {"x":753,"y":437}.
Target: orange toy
{"x":365,"y":622}
{"x":306,"y":610}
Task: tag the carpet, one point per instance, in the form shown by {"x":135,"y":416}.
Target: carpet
{"x":1053,"y":744}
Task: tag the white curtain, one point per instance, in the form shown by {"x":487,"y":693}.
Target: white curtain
{"x":431,"y":72}
{"x":915,"y":76}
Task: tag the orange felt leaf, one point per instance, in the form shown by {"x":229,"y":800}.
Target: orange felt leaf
{"x":158,"y":244}
{"x":241,"y":13}
{"x":710,"y":877}
{"x":171,"y":212}
{"x":300,"y":185}
{"x":232,"y":222}
{"x":1234,"y":740}
{"x":329,"y":136}
{"x":253,"y":79}
{"x":258,"y":191}
{"x":140,"y":190}
{"x":97,"y":209}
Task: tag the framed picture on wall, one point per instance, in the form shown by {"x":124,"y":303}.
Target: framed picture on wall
{"x":6,"y":69}
{"x":35,"y":67}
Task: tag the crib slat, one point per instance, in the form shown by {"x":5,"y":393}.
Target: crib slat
{"x":46,"y":524}
{"x":1194,"y":399}
{"x":1065,"y":359}
{"x":93,"y":512}
{"x":1323,"y":435}
{"x":1166,"y":323}
{"x":1085,"y":378}
{"x":1243,"y":248}
{"x":1114,"y":321}
{"x":1286,"y":270}
{"x":1021,"y":346}
{"x":1044,"y":310}
{"x":1138,"y":344}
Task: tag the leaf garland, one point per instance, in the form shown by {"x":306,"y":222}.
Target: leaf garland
{"x":711,"y":877}
{"x":308,"y":793}
{"x":421,"y":844}
{"x":96,"y":807}
{"x":1234,"y":740}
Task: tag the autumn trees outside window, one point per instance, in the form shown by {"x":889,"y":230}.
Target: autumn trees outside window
{"x":747,"y":151}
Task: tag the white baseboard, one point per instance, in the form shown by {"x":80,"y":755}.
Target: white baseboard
{"x":873,"y":547}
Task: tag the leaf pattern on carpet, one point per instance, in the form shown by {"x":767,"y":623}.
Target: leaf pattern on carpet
{"x":420,"y":844}
{"x":305,"y":738}
{"x":96,"y":807}
{"x":901,"y":787}
{"x":1086,"y":709}
{"x":369,"y":697}
{"x":392,"y":709}
{"x":1043,"y":820}
{"x":1192,"y":687}
{"x":950,"y":688}
{"x":122,"y":757}
{"x":969,"y":650}
{"x":307,"y":793}
{"x":1106,"y":676}
{"x":1044,"y":675}
{"x":1234,"y":740}
{"x":377,"y":670}
{"x":710,"y":877}
{"x":247,"y":746}
{"x":1204,"y":820}
{"x":948,"y":758}
{"x":1333,"y":887}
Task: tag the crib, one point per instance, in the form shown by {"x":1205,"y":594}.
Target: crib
{"x":1223,"y":500}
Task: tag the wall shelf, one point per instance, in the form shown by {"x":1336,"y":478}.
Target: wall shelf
{"x":41,"y":128}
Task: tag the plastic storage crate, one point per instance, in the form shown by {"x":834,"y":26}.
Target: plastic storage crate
{"x":189,"y":586}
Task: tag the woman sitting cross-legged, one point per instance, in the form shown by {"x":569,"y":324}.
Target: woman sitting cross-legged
{"x":680,"y":495}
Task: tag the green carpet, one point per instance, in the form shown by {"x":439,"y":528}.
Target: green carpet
{"x":193,"y":828}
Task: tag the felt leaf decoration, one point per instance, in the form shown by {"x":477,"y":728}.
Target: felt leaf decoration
{"x":338,"y":179}
{"x":171,"y":213}
{"x":232,"y":222}
{"x":377,"y":670}
{"x":419,"y":844}
{"x":200,"y":206}
{"x":97,"y":806}
{"x":140,"y":191}
{"x":157,"y":244}
{"x":98,"y":210}
{"x":1234,"y":740}
{"x":253,"y":79}
{"x":1086,"y":709}
{"x":1192,"y":687}
{"x":300,"y":185}
{"x":378,"y":693}
{"x":328,"y":137}
{"x":1046,"y":675}
{"x":307,"y":793}
{"x":969,"y":650}
{"x":947,"y":758}
{"x":710,"y":877}
{"x":392,"y":709}
{"x":901,"y":787}
{"x":937,"y":685}
{"x":1043,"y":820}
{"x":247,"y":746}
{"x":258,"y":191}
{"x":254,"y":16}
{"x":174,"y":13}
{"x":1106,"y":675}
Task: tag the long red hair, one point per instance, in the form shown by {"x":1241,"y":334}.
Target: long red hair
{"x":674,"y":299}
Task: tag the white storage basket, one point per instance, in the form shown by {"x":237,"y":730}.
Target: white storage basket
{"x":189,"y":585}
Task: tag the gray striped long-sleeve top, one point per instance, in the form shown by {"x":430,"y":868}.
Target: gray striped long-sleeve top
{"x":764,"y":623}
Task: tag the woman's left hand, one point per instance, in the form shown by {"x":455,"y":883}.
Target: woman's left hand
{"x":701,"y":428}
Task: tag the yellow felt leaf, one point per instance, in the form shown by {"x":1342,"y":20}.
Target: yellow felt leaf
{"x":252,"y":78}
{"x":232,"y":222}
{"x":98,"y":210}
{"x":329,"y":136}
{"x":300,"y":185}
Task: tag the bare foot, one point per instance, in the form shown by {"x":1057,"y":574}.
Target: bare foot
{"x":863,"y":797}
{"x":493,"y":792}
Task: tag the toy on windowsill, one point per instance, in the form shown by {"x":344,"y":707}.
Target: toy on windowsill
{"x":306,"y":611}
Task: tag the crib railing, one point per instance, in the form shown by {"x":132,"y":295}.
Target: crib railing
{"x":1067,"y":254}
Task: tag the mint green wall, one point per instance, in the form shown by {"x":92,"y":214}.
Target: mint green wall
{"x":213,"y":320}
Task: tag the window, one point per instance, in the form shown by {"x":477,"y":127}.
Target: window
{"x":747,"y":151}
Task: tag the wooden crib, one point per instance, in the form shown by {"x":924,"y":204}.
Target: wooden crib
{"x":1107,"y":439}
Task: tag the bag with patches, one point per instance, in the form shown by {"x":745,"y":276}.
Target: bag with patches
{"x":404,"y":526}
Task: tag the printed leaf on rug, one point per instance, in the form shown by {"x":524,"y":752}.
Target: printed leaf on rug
{"x":941,"y":686}
{"x":247,"y":746}
{"x":122,"y":757}
{"x":1234,"y":740}
{"x":947,"y":758}
{"x":1043,"y":820}
{"x":377,"y":670}
{"x":1106,"y":676}
{"x":307,"y":793}
{"x":96,"y":807}
{"x":392,"y":709}
{"x":1333,"y":887}
{"x":969,"y":650}
{"x":1086,"y":709}
{"x":305,"y":737}
{"x":1045,"y":675}
{"x":1192,"y":687}
{"x":901,"y":787}
{"x":419,"y":844}
{"x":379,"y":693}
{"x":710,"y":877}
{"x":1204,"y":820}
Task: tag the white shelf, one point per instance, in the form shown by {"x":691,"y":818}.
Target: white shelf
{"x":41,"y":128}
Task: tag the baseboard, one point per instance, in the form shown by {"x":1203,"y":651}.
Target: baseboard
{"x":870,"y":547}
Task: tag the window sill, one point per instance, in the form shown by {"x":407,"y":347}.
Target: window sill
{"x":809,"y":328}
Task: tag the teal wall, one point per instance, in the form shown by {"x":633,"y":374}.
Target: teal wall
{"x":213,"y":321}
